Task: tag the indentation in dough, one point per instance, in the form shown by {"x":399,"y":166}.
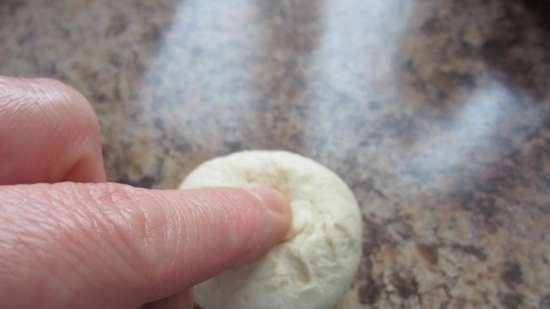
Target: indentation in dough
{"x":277,"y":178}
{"x":344,"y":232}
{"x":329,"y":241}
{"x":300,"y":266}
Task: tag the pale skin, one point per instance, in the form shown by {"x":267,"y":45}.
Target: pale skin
{"x":69,"y":239}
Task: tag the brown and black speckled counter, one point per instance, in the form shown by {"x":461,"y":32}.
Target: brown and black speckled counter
{"x":437,"y":113}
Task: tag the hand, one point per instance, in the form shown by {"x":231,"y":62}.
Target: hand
{"x":74,"y":241}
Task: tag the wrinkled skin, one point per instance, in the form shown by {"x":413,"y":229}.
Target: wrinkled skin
{"x":68,"y":239}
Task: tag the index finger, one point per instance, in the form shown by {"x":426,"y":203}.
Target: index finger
{"x":115,"y":246}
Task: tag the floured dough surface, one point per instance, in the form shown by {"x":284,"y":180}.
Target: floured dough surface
{"x":314,"y":267}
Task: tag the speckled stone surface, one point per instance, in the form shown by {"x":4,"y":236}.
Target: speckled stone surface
{"x":436,"y":112}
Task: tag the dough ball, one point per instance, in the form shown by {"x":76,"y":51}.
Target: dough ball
{"x":315,"y":265}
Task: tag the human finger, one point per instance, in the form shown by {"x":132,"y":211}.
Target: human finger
{"x":48,"y":133}
{"x":115,"y":246}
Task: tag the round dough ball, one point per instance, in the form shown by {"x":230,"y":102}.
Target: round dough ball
{"x":316,"y":264}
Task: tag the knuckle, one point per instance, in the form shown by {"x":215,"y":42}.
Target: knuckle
{"x":43,"y":97}
{"x":111,"y":193}
{"x":132,"y":221}
{"x":50,"y":110}
{"x":32,"y":92}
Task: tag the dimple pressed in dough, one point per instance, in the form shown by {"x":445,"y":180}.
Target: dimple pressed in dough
{"x":315,"y":265}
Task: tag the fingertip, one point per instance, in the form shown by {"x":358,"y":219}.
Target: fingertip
{"x":271,"y":199}
{"x":277,"y":206}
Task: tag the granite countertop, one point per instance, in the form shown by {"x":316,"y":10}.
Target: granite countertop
{"x":436,"y":112}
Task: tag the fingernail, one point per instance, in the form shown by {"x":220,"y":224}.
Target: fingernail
{"x":271,"y":199}
{"x":278,"y":210}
